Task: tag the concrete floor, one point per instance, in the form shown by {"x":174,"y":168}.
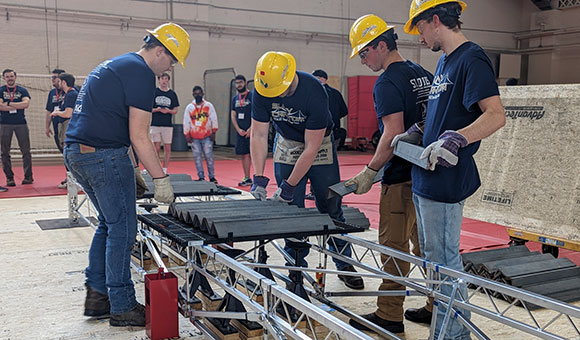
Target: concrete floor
{"x":42,"y":274}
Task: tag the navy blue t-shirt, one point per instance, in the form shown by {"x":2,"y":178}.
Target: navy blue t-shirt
{"x":242,"y":104}
{"x":307,"y":108}
{"x":55,"y":99}
{"x":69,"y":101}
{"x":167,"y":100}
{"x":13,"y":95}
{"x":462,"y":79}
{"x":101,"y":115}
{"x":403,"y":87}
{"x":336,"y":105}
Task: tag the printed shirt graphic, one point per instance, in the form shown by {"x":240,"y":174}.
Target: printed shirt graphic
{"x":243,"y":109}
{"x":168,"y":100}
{"x":307,"y":108}
{"x":462,"y":79}
{"x":101,"y":115}
{"x":199,"y":120}
{"x":403,"y":87}
{"x":15,"y":95}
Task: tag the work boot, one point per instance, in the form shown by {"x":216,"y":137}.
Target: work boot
{"x":213,"y":180}
{"x":3,"y":189}
{"x":134,"y":317}
{"x":420,"y":315}
{"x":27,"y":181}
{"x":96,"y":303}
{"x":352,"y":282}
{"x":10,"y":182}
{"x":391,"y":326}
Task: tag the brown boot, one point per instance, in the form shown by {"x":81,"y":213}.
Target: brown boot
{"x":96,"y":303}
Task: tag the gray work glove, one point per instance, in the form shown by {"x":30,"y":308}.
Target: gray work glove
{"x":444,"y":151}
{"x":140,"y":184}
{"x":364,"y":180}
{"x":285,"y":193}
{"x":163,"y":190}
{"x":259,"y":185}
{"x":414,"y":135}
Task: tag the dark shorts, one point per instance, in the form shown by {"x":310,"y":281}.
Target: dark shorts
{"x":242,"y":145}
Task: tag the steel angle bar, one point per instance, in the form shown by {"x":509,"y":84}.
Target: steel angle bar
{"x":248,"y":316}
{"x":340,"y":189}
{"x":411,"y":153}
{"x":207,"y":222}
{"x":258,"y":226}
{"x":329,"y":321}
{"x":516,"y":293}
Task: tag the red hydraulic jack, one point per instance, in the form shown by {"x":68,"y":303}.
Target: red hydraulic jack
{"x":161,"y":305}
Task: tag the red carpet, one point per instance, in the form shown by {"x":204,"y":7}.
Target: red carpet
{"x":475,"y":235}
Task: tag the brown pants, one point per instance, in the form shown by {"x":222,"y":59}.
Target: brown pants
{"x":397,"y":225}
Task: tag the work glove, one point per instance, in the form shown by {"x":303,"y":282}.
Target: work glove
{"x":163,"y":190}
{"x":414,"y":135}
{"x":140,"y":184}
{"x":444,"y":150}
{"x":284,"y":193}
{"x":364,"y":180}
{"x":259,"y":187}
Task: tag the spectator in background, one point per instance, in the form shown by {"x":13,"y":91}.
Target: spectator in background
{"x":242,"y":121}
{"x":15,"y":99}
{"x":165,"y":106}
{"x":199,"y":126}
{"x":54,"y":100}
{"x":338,"y":109}
{"x":336,"y":105}
{"x":64,"y":110}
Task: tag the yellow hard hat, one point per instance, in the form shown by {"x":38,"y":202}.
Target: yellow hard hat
{"x":274,"y":73}
{"x":175,"y":39}
{"x":420,"y":6}
{"x":364,"y":30}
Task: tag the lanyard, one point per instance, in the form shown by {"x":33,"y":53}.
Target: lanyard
{"x":58,"y":94}
{"x":241,"y":100}
{"x":11,"y":94}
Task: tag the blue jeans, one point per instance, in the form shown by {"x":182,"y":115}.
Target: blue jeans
{"x":107,"y":178}
{"x":206,"y":146}
{"x":439,"y":228}
{"x":321,"y":177}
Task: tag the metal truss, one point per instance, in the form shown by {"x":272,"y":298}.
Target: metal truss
{"x":553,"y":320}
{"x":283,"y":314}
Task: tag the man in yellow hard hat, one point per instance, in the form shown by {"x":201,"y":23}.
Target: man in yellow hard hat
{"x":111,"y":114}
{"x":298,"y":106}
{"x":464,"y":107}
{"x":400,"y":98}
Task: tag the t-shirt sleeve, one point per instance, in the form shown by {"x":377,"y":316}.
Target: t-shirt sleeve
{"x":70,"y":99}
{"x":479,"y":82}
{"x":260,"y":110}
{"x":388,"y":99}
{"x":233,"y":104}
{"x":174,"y":101}
{"x":49,"y":102}
{"x":139,"y":86}
{"x":24,"y":92}
{"x":319,"y":116}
